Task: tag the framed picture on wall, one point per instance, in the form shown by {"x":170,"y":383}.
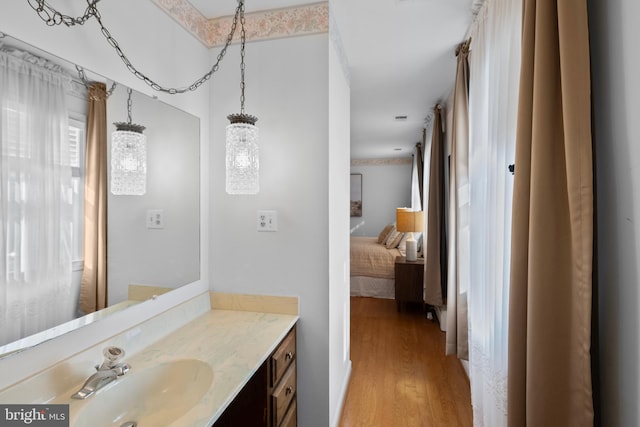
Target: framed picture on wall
{"x":356,"y":194}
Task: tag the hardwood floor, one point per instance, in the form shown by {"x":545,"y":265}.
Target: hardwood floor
{"x":400,"y":375}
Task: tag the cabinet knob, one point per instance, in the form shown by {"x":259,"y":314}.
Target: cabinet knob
{"x":288,"y":391}
{"x":288,"y":356}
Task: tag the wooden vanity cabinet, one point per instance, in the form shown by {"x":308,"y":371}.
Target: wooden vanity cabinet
{"x":283,"y":383}
{"x":249,"y":408}
{"x":269,"y":397}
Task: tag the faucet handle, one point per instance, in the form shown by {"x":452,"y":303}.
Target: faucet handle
{"x":113,"y":353}
{"x":111,"y":356}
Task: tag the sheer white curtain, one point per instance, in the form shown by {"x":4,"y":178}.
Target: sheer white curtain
{"x":416,"y":204}
{"x":35,"y":199}
{"x":494,"y":67}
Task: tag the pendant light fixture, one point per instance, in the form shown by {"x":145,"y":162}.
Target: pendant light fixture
{"x":242,"y":162}
{"x":128,"y":157}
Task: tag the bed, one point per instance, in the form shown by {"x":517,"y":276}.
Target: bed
{"x":373,"y":263}
{"x":373,"y":267}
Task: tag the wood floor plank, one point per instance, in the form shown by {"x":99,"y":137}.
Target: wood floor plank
{"x":400,"y":375}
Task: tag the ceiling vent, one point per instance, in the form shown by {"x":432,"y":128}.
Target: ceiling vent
{"x":400,"y":118}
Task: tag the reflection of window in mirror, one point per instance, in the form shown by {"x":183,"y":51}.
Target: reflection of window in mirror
{"x":76,"y":147}
{"x":77,"y":143}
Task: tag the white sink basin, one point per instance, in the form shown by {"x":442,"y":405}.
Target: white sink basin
{"x":153,"y":396}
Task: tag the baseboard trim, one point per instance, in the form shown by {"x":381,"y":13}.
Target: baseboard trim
{"x":441,"y":314}
{"x":343,"y":396}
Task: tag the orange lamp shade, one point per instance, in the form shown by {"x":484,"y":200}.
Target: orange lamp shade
{"x":408,"y":220}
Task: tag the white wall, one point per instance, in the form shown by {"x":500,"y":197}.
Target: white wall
{"x":616,"y":67}
{"x":162,"y":54}
{"x":385,"y":187}
{"x":287,"y":89}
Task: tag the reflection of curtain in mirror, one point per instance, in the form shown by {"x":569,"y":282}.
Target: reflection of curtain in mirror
{"x":35,"y":200}
{"x":93,"y":291}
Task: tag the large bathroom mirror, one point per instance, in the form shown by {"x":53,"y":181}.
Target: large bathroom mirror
{"x":153,"y":240}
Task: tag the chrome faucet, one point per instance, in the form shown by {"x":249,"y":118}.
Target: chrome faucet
{"x":106,"y":373}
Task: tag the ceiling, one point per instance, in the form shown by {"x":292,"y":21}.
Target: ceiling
{"x":401,"y":56}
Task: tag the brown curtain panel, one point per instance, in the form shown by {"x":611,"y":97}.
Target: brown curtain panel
{"x":93,"y":290}
{"x":435,"y":273}
{"x":457,"y":341}
{"x":553,"y":220}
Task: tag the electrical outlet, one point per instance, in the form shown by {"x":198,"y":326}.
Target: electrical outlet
{"x":155,"y":218}
{"x":267,"y":220}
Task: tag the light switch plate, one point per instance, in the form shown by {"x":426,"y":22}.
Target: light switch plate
{"x":267,"y":220}
{"x":155,"y":218}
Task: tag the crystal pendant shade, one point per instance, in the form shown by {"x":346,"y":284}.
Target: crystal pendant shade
{"x":128,"y":163}
{"x":242,"y":158}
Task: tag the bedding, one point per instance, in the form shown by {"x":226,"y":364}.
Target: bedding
{"x":373,"y":262}
{"x":372,"y":259}
{"x":373,"y":287}
{"x":373,"y":265}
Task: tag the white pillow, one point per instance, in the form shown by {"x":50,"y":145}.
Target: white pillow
{"x":403,"y":243}
{"x":417,"y":235}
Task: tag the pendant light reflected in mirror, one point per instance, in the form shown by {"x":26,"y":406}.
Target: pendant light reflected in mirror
{"x":128,"y":157}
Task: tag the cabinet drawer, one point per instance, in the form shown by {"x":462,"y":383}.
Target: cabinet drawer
{"x":283,"y":394}
{"x":291,"y":418}
{"x":282,"y":357}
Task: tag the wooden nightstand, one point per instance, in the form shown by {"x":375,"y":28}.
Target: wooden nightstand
{"x":409,"y":280}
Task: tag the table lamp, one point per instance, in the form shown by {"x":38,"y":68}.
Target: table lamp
{"x":408,"y":221}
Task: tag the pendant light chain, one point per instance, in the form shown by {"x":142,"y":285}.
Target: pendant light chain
{"x":52,"y":17}
{"x":128,"y":125}
{"x":242,"y":117}
{"x":129,"y":104}
{"x":242,"y":42}
{"x":85,"y":81}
